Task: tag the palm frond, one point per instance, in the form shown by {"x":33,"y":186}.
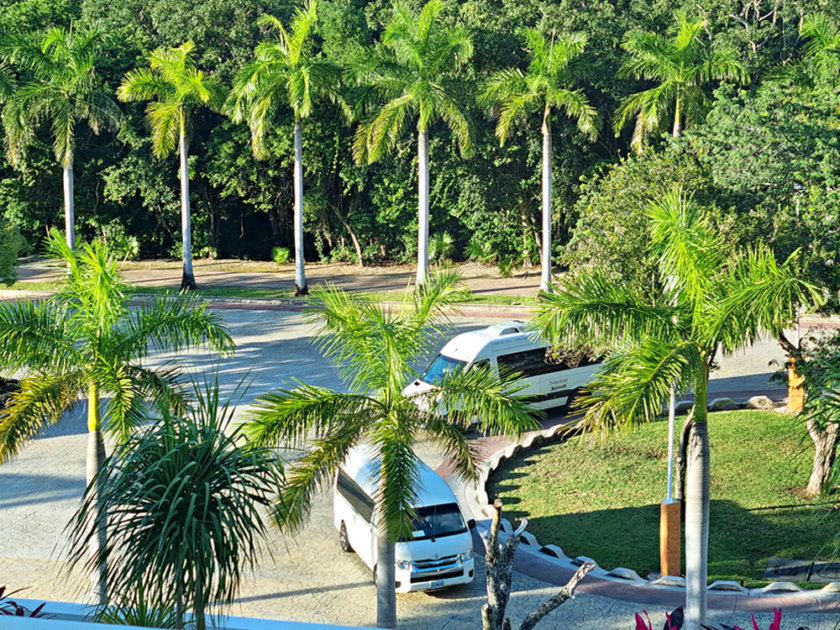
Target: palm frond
{"x":591,"y":308}
{"x":35,"y":334}
{"x":398,"y":476}
{"x":479,"y":396}
{"x":314,"y":470}
{"x":175,"y":323}
{"x":762,"y":295}
{"x":636,"y":381}
{"x":42,"y":399}
{"x":290,"y":417}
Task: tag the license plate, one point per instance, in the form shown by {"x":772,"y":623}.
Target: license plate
{"x":436,"y":584}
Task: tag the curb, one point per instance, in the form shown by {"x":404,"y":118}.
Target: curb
{"x":474,"y":499}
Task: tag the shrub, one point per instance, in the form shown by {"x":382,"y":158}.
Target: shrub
{"x":281,"y":255}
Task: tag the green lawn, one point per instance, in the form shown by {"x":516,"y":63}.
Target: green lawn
{"x":464,"y":297}
{"x":602,"y":499}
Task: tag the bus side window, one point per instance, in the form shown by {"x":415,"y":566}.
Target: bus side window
{"x":355,"y":496}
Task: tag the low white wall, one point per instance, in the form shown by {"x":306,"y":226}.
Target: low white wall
{"x":70,"y":616}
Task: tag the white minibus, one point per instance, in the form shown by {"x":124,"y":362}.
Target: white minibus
{"x":551,"y":376}
{"x":439,"y":552}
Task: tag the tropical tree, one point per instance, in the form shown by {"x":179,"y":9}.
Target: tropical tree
{"x":184,"y":508}
{"x":545,"y":86}
{"x":86,"y":343}
{"x":411,"y":75}
{"x":822,"y":40}
{"x":711,"y":300}
{"x":174,"y":87}
{"x":373,"y":348}
{"x":682,"y":65}
{"x":60,"y":88}
{"x":285,"y":73}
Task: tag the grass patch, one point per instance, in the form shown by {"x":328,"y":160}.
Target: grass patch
{"x":465,"y":296}
{"x":602,"y":499}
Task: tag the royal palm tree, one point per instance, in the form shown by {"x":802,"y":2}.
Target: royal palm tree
{"x":711,"y":300}
{"x":61,"y":89}
{"x":183,"y":505}
{"x":174,"y":87}
{"x":85,"y":343}
{"x":285,"y":73}
{"x":681,"y":65}
{"x":545,"y":86}
{"x":374,"y":348}
{"x":409,"y":76}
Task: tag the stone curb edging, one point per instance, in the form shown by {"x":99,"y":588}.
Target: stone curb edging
{"x":478,"y":505}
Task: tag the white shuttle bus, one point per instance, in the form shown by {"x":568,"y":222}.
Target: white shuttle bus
{"x":551,"y":376}
{"x":439,"y":552}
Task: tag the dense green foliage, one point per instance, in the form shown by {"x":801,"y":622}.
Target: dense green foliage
{"x":783,"y":120}
{"x":602,"y":499}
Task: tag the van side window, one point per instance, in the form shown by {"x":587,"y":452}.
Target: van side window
{"x":355,"y":496}
{"x":531,"y":362}
{"x":484,"y":364}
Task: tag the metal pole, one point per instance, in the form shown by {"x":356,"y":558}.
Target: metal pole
{"x":671,"y":414}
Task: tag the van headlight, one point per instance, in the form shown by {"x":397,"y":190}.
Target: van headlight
{"x":463,"y":557}
{"x":403,"y":565}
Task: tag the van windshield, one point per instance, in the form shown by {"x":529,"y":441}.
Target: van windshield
{"x":436,"y":521}
{"x":441,"y":367}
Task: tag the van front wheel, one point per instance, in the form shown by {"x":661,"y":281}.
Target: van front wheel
{"x":343,"y":539}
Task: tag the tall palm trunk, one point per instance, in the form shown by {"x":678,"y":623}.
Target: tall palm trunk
{"x":677,"y":131}
{"x":95,"y":458}
{"x":697,"y":510}
{"x":188,"y":278}
{"x":386,"y":595}
{"x":300,"y":273}
{"x":545,"y":280}
{"x":422,"y":206}
{"x":69,"y":212}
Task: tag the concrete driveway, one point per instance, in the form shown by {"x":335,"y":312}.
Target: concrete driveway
{"x":308,"y":577}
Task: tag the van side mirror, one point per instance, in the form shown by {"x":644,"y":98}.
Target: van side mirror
{"x":471,"y":523}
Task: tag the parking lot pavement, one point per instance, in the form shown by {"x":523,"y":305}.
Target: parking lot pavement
{"x":305,"y":578}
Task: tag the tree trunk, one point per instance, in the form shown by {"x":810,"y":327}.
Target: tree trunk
{"x":545,"y":280}
{"x":69,"y":212}
{"x":825,"y":443}
{"x":300,"y":273}
{"x":188,"y":277}
{"x":679,"y":469}
{"x":95,"y":458}
{"x":386,"y":595}
{"x":697,"y":510}
{"x":422,"y":207}
{"x":677,"y":131}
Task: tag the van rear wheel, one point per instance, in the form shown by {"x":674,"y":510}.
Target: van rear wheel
{"x":343,"y":539}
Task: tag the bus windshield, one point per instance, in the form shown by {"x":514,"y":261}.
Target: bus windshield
{"x":441,"y":367}
{"x":435,"y":521}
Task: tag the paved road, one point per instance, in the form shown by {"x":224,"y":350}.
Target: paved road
{"x":306,"y":578}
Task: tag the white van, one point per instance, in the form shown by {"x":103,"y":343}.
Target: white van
{"x":440,"y":551}
{"x":550,"y":376}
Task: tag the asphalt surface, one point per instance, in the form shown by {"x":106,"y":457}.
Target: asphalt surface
{"x":307,"y":577}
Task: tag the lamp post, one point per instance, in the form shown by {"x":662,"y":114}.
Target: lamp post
{"x":670,"y":521}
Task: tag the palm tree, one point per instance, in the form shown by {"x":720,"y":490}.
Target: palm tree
{"x":61,"y":88}
{"x":709,"y":300}
{"x":285,"y":73}
{"x":183,"y":505}
{"x":86,"y":343}
{"x":681,"y":66}
{"x":545,"y":86}
{"x":374,"y":347}
{"x":174,"y":87}
{"x":412,"y":72}
{"x":823,"y":40}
